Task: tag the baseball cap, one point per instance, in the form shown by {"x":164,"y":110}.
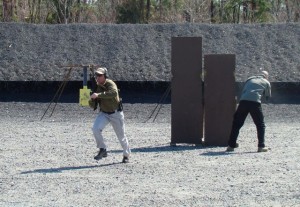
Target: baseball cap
{"x":101,"y":71}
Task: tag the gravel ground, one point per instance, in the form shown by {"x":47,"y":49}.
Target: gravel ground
{"x":50,"y":162}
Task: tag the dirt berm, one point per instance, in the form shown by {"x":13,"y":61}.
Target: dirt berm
{"x":143,"y":52}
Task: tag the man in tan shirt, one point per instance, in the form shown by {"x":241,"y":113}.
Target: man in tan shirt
{"x":108,"y":100}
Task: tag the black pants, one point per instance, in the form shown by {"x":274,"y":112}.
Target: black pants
{"x":255,"y":110}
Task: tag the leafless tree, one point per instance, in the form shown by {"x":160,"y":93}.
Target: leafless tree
{"x":158,"y":11}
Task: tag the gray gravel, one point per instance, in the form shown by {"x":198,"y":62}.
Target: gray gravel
{"x":50,"y":162}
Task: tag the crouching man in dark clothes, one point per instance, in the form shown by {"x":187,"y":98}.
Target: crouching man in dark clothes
{"x":250,"y":102}
{"x":111,"y":111}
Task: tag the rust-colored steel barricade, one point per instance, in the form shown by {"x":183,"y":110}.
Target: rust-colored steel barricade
{"x":219,"y":98}
{"x":186,"y":90}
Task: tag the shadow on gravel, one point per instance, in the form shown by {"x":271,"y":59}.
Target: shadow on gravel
{"x":213,"y":153}
{"x":220,"y":153}
{"x":161,"y":149}
{"x":61,"y":169}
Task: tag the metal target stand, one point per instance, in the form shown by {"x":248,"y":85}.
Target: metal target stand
{"x":84,"y":92}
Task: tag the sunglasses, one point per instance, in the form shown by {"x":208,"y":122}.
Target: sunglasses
{"x":98,"y":75}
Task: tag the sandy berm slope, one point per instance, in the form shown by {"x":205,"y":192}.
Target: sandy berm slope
{"x":50,"y":162}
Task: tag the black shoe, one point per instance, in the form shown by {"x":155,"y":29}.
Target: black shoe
{"x":125,"y":159}
{"x":231,"y":149}
{"x":102,"y":153}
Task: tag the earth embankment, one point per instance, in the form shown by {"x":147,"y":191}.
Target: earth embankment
{"x":142,"y":52}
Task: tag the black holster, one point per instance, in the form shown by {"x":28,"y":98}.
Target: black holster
{"x":120,"y":107}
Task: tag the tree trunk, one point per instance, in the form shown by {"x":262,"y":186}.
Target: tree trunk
{"x":148,"y":10}
{"x":253,"y":10}
{"x":297,"y":11}
{"x":78,"y":11}
{"x":288,"y":11}
{"x":212,"y":10}
{"x":245,"y":12}
{"x":142,"y":15}
{"x":8,"y":10}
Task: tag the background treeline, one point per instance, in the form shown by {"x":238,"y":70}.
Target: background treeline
{"x":149,"y":11}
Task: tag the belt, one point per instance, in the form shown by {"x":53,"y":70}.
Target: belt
{"x":109,"y":112}
{"x":112,"y":111}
